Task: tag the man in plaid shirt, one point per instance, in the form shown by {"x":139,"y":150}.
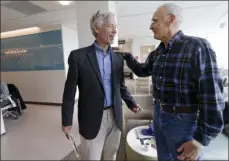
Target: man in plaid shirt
{"x":187,"y":88}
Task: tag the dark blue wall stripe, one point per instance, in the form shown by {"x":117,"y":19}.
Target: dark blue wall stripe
{"x":44,"y":51}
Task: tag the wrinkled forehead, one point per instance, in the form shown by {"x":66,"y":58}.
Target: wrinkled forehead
{"x":111,"y":20}
{"x":159,"y":14}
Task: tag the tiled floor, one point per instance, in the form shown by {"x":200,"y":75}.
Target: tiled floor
{"x":218,"y":149}
{"x":36,"y":135}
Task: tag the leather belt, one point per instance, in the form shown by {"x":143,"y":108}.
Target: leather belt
{"x":107,"y":107}
{"x":175,"y":109}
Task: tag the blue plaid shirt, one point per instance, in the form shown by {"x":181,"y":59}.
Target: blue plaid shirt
{"x":186,"y":74}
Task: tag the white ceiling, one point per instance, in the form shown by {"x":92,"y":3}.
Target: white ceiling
{"x":55,"y":14}
{"x":134,"y":17}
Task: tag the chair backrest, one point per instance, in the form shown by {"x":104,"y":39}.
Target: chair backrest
{"x":146,"y":103}
{"x":4,"y":91}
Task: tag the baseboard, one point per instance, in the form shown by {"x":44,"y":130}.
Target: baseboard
{"x":43,"y":103}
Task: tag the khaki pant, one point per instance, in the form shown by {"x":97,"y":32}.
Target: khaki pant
{"x":106,"y":143}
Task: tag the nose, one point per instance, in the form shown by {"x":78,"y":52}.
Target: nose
{"x":114,"y":31}
{"x":151,"y":26}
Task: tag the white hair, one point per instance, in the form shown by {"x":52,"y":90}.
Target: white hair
{"x":175,"y":10}
{"x":99,"y":19}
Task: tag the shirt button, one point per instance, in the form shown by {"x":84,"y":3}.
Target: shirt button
{"x":164,"y":55}
{"x":158,"y":88}
{"x":162,"y":66}
{"x":160,"y":77}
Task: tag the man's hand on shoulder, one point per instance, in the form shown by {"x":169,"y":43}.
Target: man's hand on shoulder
{"x":120,"y":51}
{"x":136,"y":109}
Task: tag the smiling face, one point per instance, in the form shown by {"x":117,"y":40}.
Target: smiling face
{"x":161,"y":23}
{"x":107,"y":31}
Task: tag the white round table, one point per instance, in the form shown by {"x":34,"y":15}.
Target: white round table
{"x":134,"y":149}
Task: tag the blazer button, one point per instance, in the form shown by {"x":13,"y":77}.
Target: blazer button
{"x":101,"y":98}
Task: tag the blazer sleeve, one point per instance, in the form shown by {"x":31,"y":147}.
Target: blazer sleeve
{"x":125,"y":94}
{"x":140,"y":69}
{"x":68,"y":100}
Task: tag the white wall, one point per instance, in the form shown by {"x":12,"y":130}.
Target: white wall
{"x":219,"y":42}
{"x":138,"y":41}
{"x":38,"y":86}
{"x":70,"y":42}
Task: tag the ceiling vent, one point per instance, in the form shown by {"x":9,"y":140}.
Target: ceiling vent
{"x":24,"y":7}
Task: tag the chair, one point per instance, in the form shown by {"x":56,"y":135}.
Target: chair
{"x":145,"y":117}
{"x":8,"y":107}
{"x":131,"y":120}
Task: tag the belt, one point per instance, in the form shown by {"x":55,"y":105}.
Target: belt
{"x":107,"y":107}
{"x":175,"y":109}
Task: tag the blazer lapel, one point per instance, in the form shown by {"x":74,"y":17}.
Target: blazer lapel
{"x":94,"y":62}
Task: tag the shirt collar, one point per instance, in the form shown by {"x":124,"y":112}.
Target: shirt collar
{"x":176,"y":38}
{"x":98,"y":48}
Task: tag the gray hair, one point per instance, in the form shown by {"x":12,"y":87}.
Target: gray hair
{"x":99,"y":19}
{"x":175,"y":10}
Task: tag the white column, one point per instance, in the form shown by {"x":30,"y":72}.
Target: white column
{"x":70,"y":42}
{"x":84,"y":11}
{"x":136,"y":47}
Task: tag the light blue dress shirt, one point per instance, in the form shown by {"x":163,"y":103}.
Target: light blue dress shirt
{"x":104,"y":60}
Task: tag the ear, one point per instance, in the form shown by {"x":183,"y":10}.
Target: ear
{"x":171,"y":19}
{"x":96,"y":30}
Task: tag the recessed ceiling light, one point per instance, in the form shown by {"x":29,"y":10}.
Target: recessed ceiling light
{"x":25,"y":31}
{"x":65,"y":2}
